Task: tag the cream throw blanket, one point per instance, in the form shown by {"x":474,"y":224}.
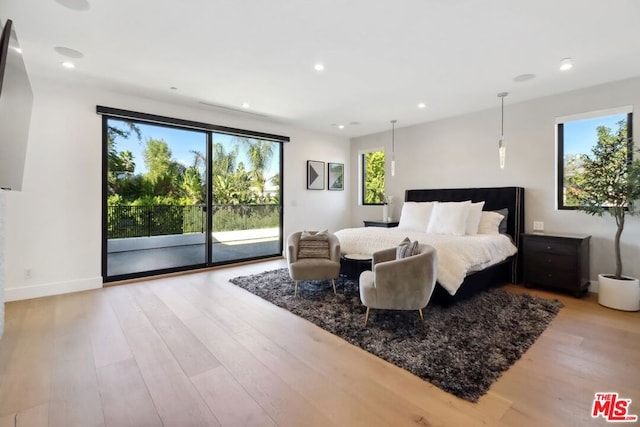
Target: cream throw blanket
{"x":457,"y":255}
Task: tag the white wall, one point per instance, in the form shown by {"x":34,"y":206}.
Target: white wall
{"x":462,"y":152}
{"x":53,"y":226}
{"x":2,"y":259}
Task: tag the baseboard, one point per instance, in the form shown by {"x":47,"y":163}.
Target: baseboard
{"x":48,"y":289}
{"x":593,"y":286}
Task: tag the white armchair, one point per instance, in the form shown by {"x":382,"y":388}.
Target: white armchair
{"x":399,"y":284}
{"x":318,"y":268}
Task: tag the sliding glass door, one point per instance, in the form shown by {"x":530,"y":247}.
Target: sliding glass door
{"x":179,"y":198}
{"x":245,"y":177}
{"x":156,"y":185}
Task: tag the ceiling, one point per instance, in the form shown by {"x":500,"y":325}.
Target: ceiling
{"x":381,"y":57}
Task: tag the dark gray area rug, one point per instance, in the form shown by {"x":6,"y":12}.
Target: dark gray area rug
{"x":462,"y":349}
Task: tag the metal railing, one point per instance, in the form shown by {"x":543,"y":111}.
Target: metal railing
{"x":125,"y":221}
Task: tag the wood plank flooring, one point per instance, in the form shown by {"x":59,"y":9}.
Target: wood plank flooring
{"x":194,"y":350}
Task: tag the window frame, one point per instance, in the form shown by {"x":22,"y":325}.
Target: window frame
{"x":108,"y":113}
{"x":362,"y":176}
{"x":559,"y":128}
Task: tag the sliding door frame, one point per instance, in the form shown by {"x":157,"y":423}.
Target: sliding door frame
{"x":126,"y":115}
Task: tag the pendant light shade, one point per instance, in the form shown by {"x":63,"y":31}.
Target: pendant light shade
{"x":502,"y":144}
{"x":393,"y":147}
{"x":502,"y":152}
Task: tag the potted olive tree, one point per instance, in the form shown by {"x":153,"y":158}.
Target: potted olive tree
{"x":610,"y":184}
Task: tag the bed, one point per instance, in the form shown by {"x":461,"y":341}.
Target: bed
{"x":504,"y":266}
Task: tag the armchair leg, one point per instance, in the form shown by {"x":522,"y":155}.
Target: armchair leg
{"x":333,"y":282}
{"x":295,"y":289}
{"x":421,"y":316}
{"x":366,"y":317}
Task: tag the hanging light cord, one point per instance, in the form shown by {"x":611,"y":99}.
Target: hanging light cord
{"x":393,"y":147}
{"x":501,"y":95}
{"x":393,"y":136}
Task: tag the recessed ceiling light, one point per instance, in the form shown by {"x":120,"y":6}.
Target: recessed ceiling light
{"x":524,"y":77}
{"x":245,"y":105}
{"x":354,"y":123}
{"x":318,"y":67}
{"x":68,"y":64}
{"x":422,"y":105}
{"x":566,"y":64}
{"x":340,"y":126}
{"x":69,"y":53}
{"x":173,"y":88}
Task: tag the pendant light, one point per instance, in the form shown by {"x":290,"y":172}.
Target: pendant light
{"x":502,"y":144}
{"x":393,"y":147}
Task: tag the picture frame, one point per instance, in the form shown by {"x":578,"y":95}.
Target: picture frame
{"x":335,"y":177}
{"x":315,"y":175}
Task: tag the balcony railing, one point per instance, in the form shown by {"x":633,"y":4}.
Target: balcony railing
{"x":144,"y":221}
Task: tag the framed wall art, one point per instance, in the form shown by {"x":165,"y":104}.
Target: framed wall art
{"x":336,"y":176}
{"x":315,"y":175}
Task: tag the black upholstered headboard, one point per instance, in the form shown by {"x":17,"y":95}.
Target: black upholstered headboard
{"x":494,"y":198}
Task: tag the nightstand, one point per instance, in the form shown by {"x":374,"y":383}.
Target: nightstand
{"x":383,"y":224}
{"x":560,"y":261}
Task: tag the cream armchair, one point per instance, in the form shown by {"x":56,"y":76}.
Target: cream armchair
{"x":313,"y":268}
{"x":403,"y":284}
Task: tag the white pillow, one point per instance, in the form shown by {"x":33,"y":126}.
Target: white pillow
{"x":473,"y":219}
{"x":415,"y":215}
{"x":449,"y":218}
{"x":489,"y":223}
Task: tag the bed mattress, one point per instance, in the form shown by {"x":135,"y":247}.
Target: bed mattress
{"x":457,"y":255}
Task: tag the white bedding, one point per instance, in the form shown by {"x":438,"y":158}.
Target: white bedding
{"x":457,"y":255}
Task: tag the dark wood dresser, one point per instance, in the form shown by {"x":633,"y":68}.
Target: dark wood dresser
{"x":560,"y":261}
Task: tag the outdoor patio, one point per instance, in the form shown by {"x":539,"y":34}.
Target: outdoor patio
{"x":139,"y":254}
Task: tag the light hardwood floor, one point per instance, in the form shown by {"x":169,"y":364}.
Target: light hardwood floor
{"x":194,"y":350}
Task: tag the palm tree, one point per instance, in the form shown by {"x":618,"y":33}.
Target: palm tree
{"x":259,"y":154}
{"x":118,"y":162}
{"x":199,"y":160}
{"x":222,"y":170}
{"x":223,"y":163}
{"x":128,"y":165}
{"x":192,"y":185}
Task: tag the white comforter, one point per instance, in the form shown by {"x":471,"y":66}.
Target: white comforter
{"x":457,"y":255}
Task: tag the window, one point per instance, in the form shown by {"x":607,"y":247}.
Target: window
{"x":179,"y":195}
{"x":372,"y":166}
{"x":577,"y":137}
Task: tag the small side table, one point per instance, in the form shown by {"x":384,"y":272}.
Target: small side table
{"x":351,"y":265}
{"x":383,"y":224}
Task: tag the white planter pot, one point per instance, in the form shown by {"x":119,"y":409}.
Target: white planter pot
{"x":619,"y":294}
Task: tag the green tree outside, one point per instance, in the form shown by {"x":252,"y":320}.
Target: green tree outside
{"x":374,"y":190}
{"x":260,"y":153}
{"x":119,"y":163}
{"x":610,"y":182}
{"x":593,"y":185}
{"x":169,"y":197}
